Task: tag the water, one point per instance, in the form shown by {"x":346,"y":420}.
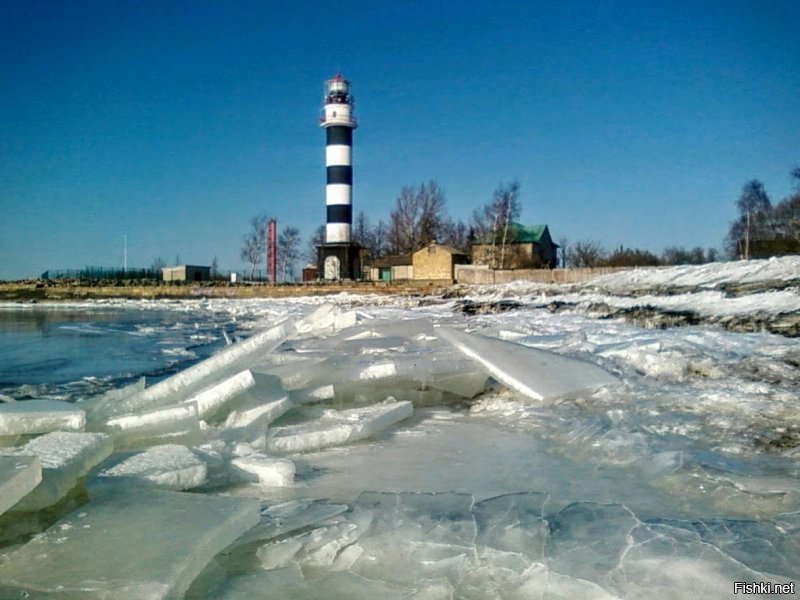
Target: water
{"x":53,"y":351}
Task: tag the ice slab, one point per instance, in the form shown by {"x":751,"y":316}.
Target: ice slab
{"x":39,"y":416}
{"x":170,"y":424}
{"x":213,"y":399}
{"x":277,"y":472}
{"x":263,"y":414}
{"x":537,"y":374}
{"x":149,"y":545}
{"x":339,"y":427}
{"x":66,"y":458}
{"x":227,"y":362}
{"x":171,"y":467}
{"x":19,"y":475}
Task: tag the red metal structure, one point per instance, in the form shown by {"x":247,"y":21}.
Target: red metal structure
{"x":272,"y":249}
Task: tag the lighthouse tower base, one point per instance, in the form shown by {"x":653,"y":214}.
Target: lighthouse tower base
{"x":337,"y":262}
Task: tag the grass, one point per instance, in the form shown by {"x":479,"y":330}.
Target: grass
{"x":61,"y":290}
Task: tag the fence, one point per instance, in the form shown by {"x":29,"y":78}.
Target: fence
{"x":482,"y":274}
{"x":97,"y":273}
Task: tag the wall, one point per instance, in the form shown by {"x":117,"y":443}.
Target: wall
{"x":433,"y":263}
{"x":482,"y":274}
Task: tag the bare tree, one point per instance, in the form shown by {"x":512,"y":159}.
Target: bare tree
{"x":317,"y":240}
{"x":379,"y":239}
{"x":563,"y":242}
{"x":417,"y":217}
{"x":493,"y":222}
{"x":288,"y":251}
{"x":586,"y":253}
{"x":214,"y":268}
{"x":362,"y":231}
{"x":157,"y":264}
{"x":456,"y":234}
{"x":254,"y":242}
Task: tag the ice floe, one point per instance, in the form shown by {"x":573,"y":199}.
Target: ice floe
{"x":39,"y":416}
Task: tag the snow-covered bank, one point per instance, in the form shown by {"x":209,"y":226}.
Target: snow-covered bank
{"x":758,"y":295}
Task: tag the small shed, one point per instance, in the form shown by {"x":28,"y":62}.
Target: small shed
{"x":186,"y":273}
{"x":525,"y":247}
{"x":391,"y":268}
{"x":436,"y":262}
{"x":309,"y":273}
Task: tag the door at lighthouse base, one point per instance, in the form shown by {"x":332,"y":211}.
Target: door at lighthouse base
{"x":332,"y":268}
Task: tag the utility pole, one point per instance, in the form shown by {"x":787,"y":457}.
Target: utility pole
{"x":125,"y":253}
{"x":747,"y":238}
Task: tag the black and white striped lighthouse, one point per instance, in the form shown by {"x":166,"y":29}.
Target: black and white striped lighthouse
{"x":337,"y":258}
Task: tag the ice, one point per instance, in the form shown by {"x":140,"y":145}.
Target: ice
{"x":229,"y":361}
{"x":339,"y":427}
{"x":537,"y":374}
{"x":669,"y":560}
{"x":19,"y":475}
{"x":411,"y":537}
{"x":258,"y":415}
{"x":212,"y":399}
{"x":513,"y":523}
{"x":65,"y":458}
{"x":98,"y":407}
{"x":39,"y":416}
{"x":171,"y":467}
{"x":289,"y":582}
{"x":156,"y":426}
{"x":588,"y":540}
{"x":277,"y":472}
{"x":149,"y":545}
{"x":284,"y":518}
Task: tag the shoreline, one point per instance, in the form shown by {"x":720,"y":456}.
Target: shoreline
{"x":49,"y":291}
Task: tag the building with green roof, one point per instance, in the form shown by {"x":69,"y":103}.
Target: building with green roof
{"x":526,"y":246}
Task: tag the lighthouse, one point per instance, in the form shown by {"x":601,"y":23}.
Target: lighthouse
{"x":338,"y":257}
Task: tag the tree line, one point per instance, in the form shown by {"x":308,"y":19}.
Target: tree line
{"x":420,"y":216}
{"x":762,"y":230}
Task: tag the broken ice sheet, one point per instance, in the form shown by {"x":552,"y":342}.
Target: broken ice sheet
{"x":588,"y":540}
{"x":289,"y":582}
{"x":66,"y":458}
{"x":19,"y":475}
{"x":171,"y":467}
{"x":39,"y":416}
{"x":228,"y":362}
{"x":512,"y":523}
{"x":276,"y":472}
{"x":537,"y":374}
{"x":414,"y":536}
{"x":215,"y":397}
{"x":670,"y":560}
{"x":338,"y":427}
{"x":281,"y":519}
{"x":149,"y":545}
{"x":178,"y":423}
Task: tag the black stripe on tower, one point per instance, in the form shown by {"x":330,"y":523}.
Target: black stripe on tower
{"x":338,"y":134}
{"x":340,"y":174}
{"x":340,"y":213}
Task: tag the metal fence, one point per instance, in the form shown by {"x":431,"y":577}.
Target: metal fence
{"x":97,"y":273}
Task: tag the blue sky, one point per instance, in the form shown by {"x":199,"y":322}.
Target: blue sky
{"x":173,"y":123}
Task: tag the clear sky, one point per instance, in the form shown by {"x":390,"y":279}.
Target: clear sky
{"x":173,"y":123}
